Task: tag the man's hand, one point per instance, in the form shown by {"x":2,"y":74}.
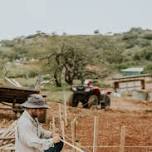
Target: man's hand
{"x":56,"y":138}
{"x":57,"y":131}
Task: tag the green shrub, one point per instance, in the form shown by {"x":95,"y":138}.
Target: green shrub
{"x":148,"y":68}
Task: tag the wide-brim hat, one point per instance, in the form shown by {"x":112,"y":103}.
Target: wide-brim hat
{"x":35,"y":101}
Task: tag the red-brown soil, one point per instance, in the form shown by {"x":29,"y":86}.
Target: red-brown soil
{"x":135,"y":115}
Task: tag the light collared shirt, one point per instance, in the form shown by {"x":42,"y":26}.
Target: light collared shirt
{"x":30,"y":136}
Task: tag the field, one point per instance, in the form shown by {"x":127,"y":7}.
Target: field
{"x":125,"y":127}
{"x":134,"y":116}
{"x":33,"y":61}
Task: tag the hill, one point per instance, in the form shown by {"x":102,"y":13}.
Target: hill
{"x":75,"y":56}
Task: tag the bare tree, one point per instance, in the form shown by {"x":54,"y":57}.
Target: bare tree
{"x":69,"y":62}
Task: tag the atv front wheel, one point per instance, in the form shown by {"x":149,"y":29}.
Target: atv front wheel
{"x":69,"y":101}
{"x":73,"y":102}
{"x":93,"y":100}
{"x":106,"y":101}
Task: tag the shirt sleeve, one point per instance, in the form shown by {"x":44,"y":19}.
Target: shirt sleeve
{"x":45,"y":133}
{"x":31,"y":139}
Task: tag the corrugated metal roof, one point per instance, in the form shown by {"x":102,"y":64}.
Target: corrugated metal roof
{"x":132,"y":70}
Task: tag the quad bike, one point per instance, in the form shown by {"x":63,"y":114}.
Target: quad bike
{"x":89,"y":96}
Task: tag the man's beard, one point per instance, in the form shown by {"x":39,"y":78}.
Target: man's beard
{"x":34,"y":115}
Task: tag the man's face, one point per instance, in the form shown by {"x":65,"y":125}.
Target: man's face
{"x":40,"y":112}
{"x":41,"y":115}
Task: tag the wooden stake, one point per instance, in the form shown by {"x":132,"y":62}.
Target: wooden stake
{"x":53,"y":124}
{"x":95,"y":133}
{"x":65,"y":109}
{"x":62,"y":128}
{"x":61,"y":121}
{"x":122,"y":139}
{"x":77,"y":148}
{"x":60,"y":113}
{"x":73,"y":131}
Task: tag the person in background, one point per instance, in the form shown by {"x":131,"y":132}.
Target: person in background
{"x":88,"y":83}
{"x":29,"y":135}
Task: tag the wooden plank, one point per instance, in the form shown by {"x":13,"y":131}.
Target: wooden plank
{"x":6,"y":138}
{"x":8,"y":94}
{"x":75,"y":147}
{"x":134,"y":76}
{"x":122,"y":139}
{"x":11,"y":82}
{"x":117,"y":83}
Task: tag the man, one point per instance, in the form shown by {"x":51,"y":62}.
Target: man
{"x":30,"y":136}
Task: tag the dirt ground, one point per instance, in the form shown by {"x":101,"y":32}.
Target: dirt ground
{"x":132,"y":115}
{"x":135,"y":115}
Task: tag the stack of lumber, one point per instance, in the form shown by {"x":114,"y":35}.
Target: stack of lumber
{"x":7,"y":138}
{"x":16,"y":95}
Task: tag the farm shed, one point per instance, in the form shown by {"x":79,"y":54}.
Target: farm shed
{"x":132,"y":71}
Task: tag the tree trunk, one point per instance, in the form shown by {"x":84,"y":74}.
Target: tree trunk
{"x":68,"y":77}
{"x":57,"y":77}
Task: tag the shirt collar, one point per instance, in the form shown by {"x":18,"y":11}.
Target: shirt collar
{"x":34,"y":121}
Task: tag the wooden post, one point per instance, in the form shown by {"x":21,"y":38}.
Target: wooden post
{"x":73,"y":131}
{"x":61,"y":121}
{"x":122,"y":139}
{"x":142,"y":84}
{"x":53,"y":124}
{"x":116,"y":86}
{"x":95,"y":134}
{"x":65,"y":109}
{"x":62,"y":128}
{"x":60,"y":113}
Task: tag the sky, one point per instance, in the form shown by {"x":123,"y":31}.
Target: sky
{"x":25,"y":17}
